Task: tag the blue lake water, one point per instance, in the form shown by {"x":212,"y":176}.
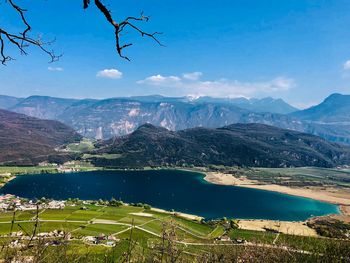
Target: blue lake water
{"x":182,"y":191}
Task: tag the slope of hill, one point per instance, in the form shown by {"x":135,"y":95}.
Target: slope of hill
{"x":335,"y":109}
{"x":26,"y":141}
{"x":238,"y":144}
{"x":330,"y":119}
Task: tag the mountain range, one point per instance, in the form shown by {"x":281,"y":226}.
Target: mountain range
{"x":26,"y":140}
{"x":238,"y":144}
{"x":104,"y":119}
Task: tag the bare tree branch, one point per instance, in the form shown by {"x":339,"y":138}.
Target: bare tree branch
{"x":86,"y":3}
{"x":21,"y":13}
{"x":119,"y":27}
{"x":23,"y":39}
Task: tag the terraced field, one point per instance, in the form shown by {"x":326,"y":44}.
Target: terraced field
{"x":92,"y":220}
{"x":146,"y":229}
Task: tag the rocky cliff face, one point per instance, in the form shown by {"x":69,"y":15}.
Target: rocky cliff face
{"x":103,"y":119}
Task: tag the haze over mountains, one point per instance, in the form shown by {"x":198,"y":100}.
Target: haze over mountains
{"x":103,"y":119}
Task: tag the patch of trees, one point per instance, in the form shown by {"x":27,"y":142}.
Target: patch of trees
{"x":331,"y":228}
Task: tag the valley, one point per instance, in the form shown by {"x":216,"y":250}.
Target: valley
{"x":169,"y":190}
{"x":81,"y":223}
{"x":301,"y":180}
{"x":174,"y":131}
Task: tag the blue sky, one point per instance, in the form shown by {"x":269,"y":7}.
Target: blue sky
{"x":295,"y":49}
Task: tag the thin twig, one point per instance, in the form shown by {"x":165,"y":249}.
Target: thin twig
{"x":23,"y":39}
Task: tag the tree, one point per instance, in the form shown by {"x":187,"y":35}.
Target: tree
{"x":24,"y":39}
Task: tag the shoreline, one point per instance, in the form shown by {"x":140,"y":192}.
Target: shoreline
{"x":332,"y":197}
{"x":220,"y":178}
{"x":7,"y":180}
{"x":13,"y":176}
{"x":343,"y":203}
{"x":286,"y":227}
{"x":325,"y":196}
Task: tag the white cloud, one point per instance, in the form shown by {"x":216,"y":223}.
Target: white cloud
{"x":192,"y":76}
{"x":347,"y":65}
{"x":159,"y":80}
{"x":221,"y":87}
{"x":110,"y":74}
{"x":278,"y":84}
{"x":55,"y":69}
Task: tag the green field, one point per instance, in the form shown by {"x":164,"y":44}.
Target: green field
{"x":7,"y":172}
{"x":15,"y":170}
{"x":108,"y":156}
{"x":253,"y":236}
{"x":84,"y":145}
{"x":146,"y":229}
{"x":95,"y":220}
{"x":18,"y":170}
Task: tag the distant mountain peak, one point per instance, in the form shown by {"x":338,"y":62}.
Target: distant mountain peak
{"x":337,"y":97}
{"x":334,"y":109}
{"x":147,"y":126}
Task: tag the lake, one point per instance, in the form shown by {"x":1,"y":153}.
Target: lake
{"x":182,"y":191}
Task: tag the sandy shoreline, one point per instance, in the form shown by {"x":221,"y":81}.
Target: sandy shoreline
{"x":326,"y":195}
{"x":342,"y":199}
